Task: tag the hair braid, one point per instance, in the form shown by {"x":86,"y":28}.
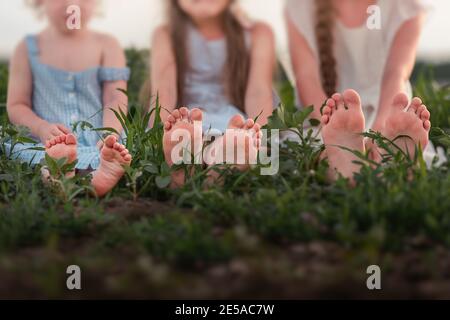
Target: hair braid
{"x":325,"y":19}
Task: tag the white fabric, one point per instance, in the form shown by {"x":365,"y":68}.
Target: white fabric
{"x":361,"y":54}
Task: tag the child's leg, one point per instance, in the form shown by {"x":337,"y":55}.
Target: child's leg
{"x":343,"y":122}
{"x":113,"y":157}
{"x":413,"y":123}
{"x":179,"y":125}
{"x":64,"y":146}
{"x":238,"y":146}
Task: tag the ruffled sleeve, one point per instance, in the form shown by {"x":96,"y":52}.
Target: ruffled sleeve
{"x":114,"y":74}
{"x":302,"y":15}
{"x":401,"y":11}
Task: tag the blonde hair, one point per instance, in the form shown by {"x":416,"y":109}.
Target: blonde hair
{"x":36,"y":6}
{"x":325,"y":21}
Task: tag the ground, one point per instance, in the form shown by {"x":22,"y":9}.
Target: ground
{"x":292,"y":235}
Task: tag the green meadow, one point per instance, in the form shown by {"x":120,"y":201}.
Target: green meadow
{"x":290,"y":235}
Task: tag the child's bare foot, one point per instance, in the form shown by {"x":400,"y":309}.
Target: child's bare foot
{"x":182,"y":126}
{"x":411,"y":124}
{"x":63,"y":146}
{"x":238,"y":146}
{"x":343,"y":122}
{"x":113,"y":157}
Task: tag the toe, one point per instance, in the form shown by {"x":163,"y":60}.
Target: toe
{"x":176,"y":114}
{"x":420,"y":110}
{"x":184,"y":112}
{"x":171,"y":119}
{"x":127,"y":158}
{"x":352,"y":99}
{"x":427,"y":125}
{"x":327,"y":110}
{"x":339,"y":103}
{"x":110,"y":141}
{"x":401,"y":101}
{"x":236,"y":122}
{"x":325,"y":119}
{"x":124,"y":152}
{"x":196,"y":114}
{"x":71,"y":139}
{"x":119,"y":147}
{"x":425,"y":114}
{"x":416,"y":103}
{"x":331,"y":103}
{"x":167,"y":125}
{"x":249,"y":124}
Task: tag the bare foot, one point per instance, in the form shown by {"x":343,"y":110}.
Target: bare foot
{"x":238,"y":146}
{"x":183,"y":140}
{"x":113,"y":157}
{"x":413,"y":123}
{"x":343,"y":122}
{"x":63,"y":146}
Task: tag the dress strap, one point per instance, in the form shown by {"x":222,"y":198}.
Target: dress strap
{"x":32,"y":45}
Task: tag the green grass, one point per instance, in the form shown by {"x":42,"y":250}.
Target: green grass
{"x":130,"y":242}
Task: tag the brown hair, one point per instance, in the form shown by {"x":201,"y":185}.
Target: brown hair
{"x":325,"y":20}
{"x":238,"y":57}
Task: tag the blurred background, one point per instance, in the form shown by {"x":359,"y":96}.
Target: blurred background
{"x":133,"y":22}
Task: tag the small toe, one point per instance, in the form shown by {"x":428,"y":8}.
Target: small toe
{"x":326,"y":110}
{"x":167,"y":125}
{"x":325,"y":119}
{"x":249,"y":124}
{"x":184,"y":113}
{"x":118,"y":146}
{"x":176,"y":114}
{"x":427,"y":125}
{"x":416,"y":103}
{"x":425,"y":114}
{"x":338,"y":101}
{"x":331,"y":103}
{"x":127,"y":158}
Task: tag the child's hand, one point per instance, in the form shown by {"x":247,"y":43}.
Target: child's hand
{"x":48,"y":131}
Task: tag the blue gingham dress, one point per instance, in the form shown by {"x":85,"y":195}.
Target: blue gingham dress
{"x":68,"y":97}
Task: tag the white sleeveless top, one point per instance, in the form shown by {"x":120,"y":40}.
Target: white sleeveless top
{"x":361,"y":54}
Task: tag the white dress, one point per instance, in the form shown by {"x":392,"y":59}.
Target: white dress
{"x":362,"y":53}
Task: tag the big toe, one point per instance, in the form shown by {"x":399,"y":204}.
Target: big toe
{"x":71,"y":139}
{"x":352,"y":99}
{"x":196,"y":114}
{"x":401,"y":101}
{"x":110,"y":141}
{"x":236,"y":122}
